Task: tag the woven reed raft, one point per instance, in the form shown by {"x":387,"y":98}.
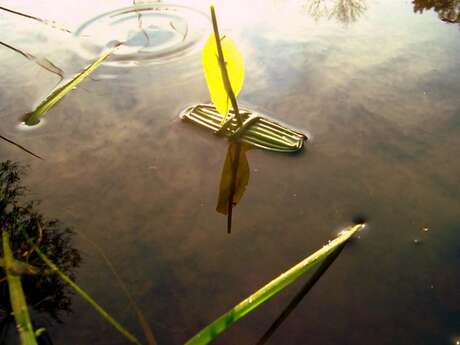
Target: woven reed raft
{"x":256,"y":130}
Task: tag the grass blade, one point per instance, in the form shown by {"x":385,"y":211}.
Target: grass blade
{"x":301,"y":294}
{"x":33,"y":118}
{"x":43,"y":21}
{"x":19,"y":146}
{"x":17,"y":298}
{"x":211,"y":331}
{"x":83,"y":294}
{"x":42,"y":62}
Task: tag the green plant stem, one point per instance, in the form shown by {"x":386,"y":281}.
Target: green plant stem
{"x":83,"y":294}
{"x":17,"y":298}
{"x":223,"y":68}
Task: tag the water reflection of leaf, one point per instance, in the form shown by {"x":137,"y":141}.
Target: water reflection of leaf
{"x":448,"y":10}
{"x":233,"y":180}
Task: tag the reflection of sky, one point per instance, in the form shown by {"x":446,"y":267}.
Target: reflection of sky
{"x":380,"y":97}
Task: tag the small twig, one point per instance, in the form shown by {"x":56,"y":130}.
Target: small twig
{"x":43,"y":21}
{"x":20,"y":146}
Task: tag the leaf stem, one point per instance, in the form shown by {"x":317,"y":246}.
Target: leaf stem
{"x":223,"y":68}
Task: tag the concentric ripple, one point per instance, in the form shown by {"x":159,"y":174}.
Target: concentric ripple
{"x":150,"y":33}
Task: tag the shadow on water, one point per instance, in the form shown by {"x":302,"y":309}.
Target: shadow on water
{"x":447,"y":10}
{"x":46,"y":295}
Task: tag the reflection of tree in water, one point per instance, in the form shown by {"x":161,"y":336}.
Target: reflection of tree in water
{"x":345,"y":11}
{"x":448,"y":10}
{"x":44,"y":293}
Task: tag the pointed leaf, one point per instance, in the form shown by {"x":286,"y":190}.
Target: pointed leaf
{"x":234,"y":63}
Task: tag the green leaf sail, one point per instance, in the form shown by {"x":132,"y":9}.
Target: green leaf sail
{"x":234,"y":64}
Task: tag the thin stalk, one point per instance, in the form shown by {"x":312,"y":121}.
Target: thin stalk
{"x":235,"y":165}
{"x":43,"y":21}
{"x":17,"y":298}
{"x":223,"y":68}
{"x":20,"y":146}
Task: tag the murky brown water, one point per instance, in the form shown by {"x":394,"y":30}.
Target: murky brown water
{"x":375,"y":84}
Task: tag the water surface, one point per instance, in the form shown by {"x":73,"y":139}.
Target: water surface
{"x":375,"y":83}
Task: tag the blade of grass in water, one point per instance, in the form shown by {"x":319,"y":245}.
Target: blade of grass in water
{"x":300,"y":295}
{"x":51,"y":23}
{"x":17,"y":298}
{"x":83,"y":294}
{"x":42,"y":62}
{"x":19,"y":146}
{"x":211,"y":331}
{"x":33,"y":118}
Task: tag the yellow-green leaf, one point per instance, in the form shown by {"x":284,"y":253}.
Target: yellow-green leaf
{"x":234,"y":178}
{"x":234,"y":65}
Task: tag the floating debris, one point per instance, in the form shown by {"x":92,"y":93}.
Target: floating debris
{"x":256,"y":130}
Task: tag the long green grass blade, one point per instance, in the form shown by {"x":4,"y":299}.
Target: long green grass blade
{"x":211,"y":331}
{"x":33,"y":117}
{"x":17,"y":298}
{"x":83,"y":294}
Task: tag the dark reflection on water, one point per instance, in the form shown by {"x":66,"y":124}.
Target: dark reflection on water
{"x":380,"y":98}
{"x":447,"y":10}
{"x":45,"y":294}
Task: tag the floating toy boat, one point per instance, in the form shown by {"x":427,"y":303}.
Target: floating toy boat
{"x":256,"y":130}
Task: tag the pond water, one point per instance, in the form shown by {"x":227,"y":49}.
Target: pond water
{"x":376,"y":86}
